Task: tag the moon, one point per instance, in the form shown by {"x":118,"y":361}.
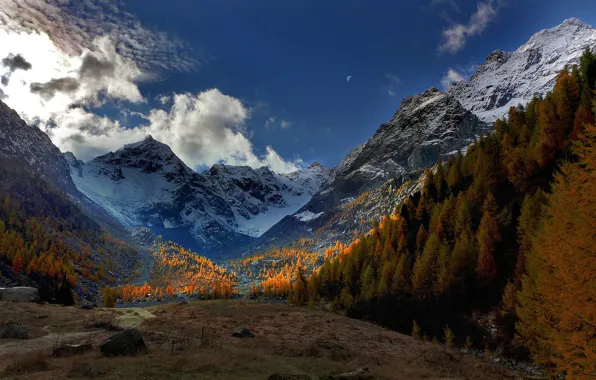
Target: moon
{"x":348,"y":78}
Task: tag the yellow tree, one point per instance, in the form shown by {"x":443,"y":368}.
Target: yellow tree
{"x":558,"y":301}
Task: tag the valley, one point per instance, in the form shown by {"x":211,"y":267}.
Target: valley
{"x":435,"y":249}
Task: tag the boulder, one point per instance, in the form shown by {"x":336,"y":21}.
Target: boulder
{"x":125,"y":343}
{"x":19,"y":294}
{"x":14,"y":331}
{"x":288,"y":376}
{"x":72,"y":350}
{"x":243,"y":332}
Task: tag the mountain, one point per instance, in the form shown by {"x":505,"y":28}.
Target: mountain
{"x":31,"y":149}
{"x":508,"y":79}
{"x":428,"y":125}
{"x":425,"y":127}
{"x":260,"y":198}
{"x":146,"y":184}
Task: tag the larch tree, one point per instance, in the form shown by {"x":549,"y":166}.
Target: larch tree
{"x":558,"y":301}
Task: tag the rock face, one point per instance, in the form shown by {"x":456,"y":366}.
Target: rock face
{"x":29,"y":147}
{"x":19,"y":294}
{"x":14,"y":331}
{"x":508,"y":79}
{"x":126,"y":343}
{"x":426,"y":126}
{"x":146,"y":184}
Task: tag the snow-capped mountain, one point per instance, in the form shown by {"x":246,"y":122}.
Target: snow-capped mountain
{"x":508,"y":79}
{"x":260,"y":198}
{"x":30,"y":148}
{"x":146,"y":184}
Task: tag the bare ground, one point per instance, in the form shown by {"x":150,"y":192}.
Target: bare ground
{"x":195,"y":342}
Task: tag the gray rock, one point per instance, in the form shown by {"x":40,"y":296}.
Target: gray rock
{"x":243,"y":332}
{"x":288,"y":376}
{"x":126,"y":343}
{"x":72,"y":350}
{"x":14,"y":331}
{"x":19,"y":294}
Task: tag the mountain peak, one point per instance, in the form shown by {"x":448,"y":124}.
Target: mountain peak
{"x":575,"y":22}
{"x":508,"y":79}
{"x":316,"y":164}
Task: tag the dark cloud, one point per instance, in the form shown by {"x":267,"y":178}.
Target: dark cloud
{"x":16,"y":62}
{"x":2,"y":95}
{"x":94,"y":68}
{"x":78,"y":138}
{"x":4,"y":79}
{"x":48,"y":90}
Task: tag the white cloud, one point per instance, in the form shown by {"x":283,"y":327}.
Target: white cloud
{"x":394,"y":83}
{"x":270,"y":123}
{"x":202,"y":129}
{"x":455,"y":37}
{"x":348,"y":78}
{"x":163,"y":99}
{"x":286,"y":124}
{"x":450,"y":77}
{"x":78,"y":62}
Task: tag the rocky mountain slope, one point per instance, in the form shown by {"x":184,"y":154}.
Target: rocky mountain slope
{"x":29,"y":148}
{"x":146,"y":184}
{"x":508,"y":79}
{"x":426,"y":126}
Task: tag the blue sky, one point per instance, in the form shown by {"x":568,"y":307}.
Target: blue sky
{"x":221,"y":81}
{"x":295,"y":56}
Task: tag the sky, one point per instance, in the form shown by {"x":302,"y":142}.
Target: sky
{"x":258,"y":83}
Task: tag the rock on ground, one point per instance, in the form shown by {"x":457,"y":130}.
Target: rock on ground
{"x":288,"y":376}
{"x":125,"y":343}
{"x":72,"y":350}
{"x":19,"y":294}
{"x":243,"y":332}
{"x":14,"y":331}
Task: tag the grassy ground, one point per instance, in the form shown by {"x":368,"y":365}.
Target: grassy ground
{"x":195,"y":342}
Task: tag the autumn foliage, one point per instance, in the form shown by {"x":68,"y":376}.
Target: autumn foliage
{"x":508,"y":228}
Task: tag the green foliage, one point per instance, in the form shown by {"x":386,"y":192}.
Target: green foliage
{"x":416,"y":330}
{"x":448,"y":336}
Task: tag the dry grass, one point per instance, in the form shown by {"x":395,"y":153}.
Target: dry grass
{"x":32,"y":362}
{"x":195,"y":342}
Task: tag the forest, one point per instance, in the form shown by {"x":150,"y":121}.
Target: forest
{"x":46,"y":237}
{"x":500,"y":239}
